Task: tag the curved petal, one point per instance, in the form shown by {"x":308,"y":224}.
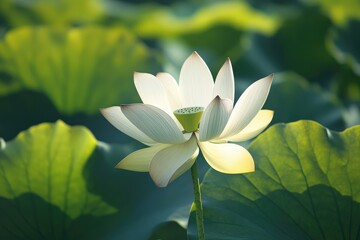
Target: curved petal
{"x":139,"y":160}
{"x":196,"y":83}
{"x":255,"y":127}
{"x":151,"y":91}
{"x":172,"y":90}
{"x":248,"y":105}
{"x":116,"y":117}
{"x":155,"y":123}
{"x":224,"y":83}
{"x":172,"y":161}
{"x":227,"y":157}
{"x":214,"y":118}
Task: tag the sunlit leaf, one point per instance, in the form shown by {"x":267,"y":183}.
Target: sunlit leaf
{"x":61,"y":12}
{"x":339,"y":11}
{"x":177,"y":20}
{"x":306,"y":186}
{"x":43,"y":191}
{"x":80,"y":69}
{"x":59,"y":182}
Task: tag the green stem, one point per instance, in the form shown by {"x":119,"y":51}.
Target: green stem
{"x":198,"y":203}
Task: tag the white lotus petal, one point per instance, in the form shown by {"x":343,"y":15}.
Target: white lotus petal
{"x":227,"y":157}
{"x":214,"y":118}
{"x":139,"y":160}
{"x":224,"y":83}
{"x":115,"y":116}
{"x":186,"y":166}
{"x":248,"y":105}
{"x":172,"y":161}
{"x":196,"y":83}
{"x":155,"y":123}
{"x":151,"y":91}
{"x":255,"y":127}
{"x":172,"y":90}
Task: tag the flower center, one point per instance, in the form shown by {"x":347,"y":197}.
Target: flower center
{"x":189,"y":117}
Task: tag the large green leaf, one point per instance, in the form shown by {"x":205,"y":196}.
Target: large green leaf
{"x":43,"y":191}
{"x":179,"y":19}
{"x":306,"y":186}
{"x":59,"y":182}
{"x":60,"y":12}
{"x":80,"y":69}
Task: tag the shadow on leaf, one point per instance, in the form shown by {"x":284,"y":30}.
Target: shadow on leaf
{"x":318,"y":213}
{"x":31,"y":217}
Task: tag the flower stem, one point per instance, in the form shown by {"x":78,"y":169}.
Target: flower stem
{"x":198,"y":203}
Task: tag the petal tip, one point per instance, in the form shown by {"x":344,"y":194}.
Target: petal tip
{"x":136,"y":77}
{"x":136,"y":74}
{"x":270,"y":77}
{"x":195,"y":55}
{"x":102,"y":110}
{"x":119,"y":166}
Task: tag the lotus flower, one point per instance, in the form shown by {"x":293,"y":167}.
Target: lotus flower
{"x":176,"y":119}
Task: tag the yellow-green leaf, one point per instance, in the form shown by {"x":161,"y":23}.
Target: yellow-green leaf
{"x":80,"y":69}
{"x":59,"y":12}
{"x":164,"y":22}
{"x":306,"y":186}
{"x":48,"y":160}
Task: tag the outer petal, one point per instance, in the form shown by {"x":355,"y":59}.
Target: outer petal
{"x":196,"y":83}
{"x":155,"y":123}
{"x":151,"y":91}
{"x":171,"y":162}
{"x":116,"y":117}
{"x":224,"y":83}
{"x":139,"y":161}
{"x":172,"y":90}
{"x":248,"y":105}
{"x":214,"y":118}
{"x":228,"y":157}
{"x":255,"y":127}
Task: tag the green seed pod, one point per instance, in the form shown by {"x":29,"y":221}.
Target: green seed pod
{"x":189,"y":117}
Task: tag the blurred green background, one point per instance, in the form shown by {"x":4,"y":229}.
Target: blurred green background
{"x":63,"y":60}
